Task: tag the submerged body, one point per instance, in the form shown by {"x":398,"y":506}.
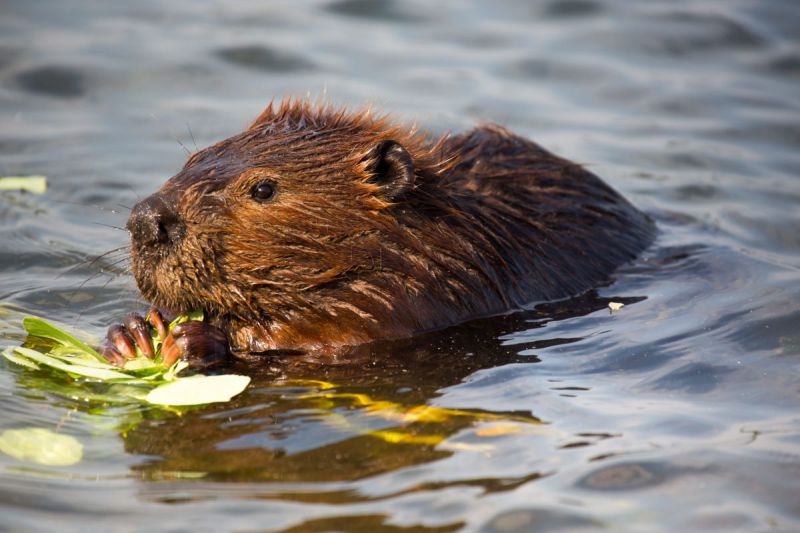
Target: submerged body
{"x":318,"y":229}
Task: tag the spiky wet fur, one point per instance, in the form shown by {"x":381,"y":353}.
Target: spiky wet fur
{"x":493,"y":222}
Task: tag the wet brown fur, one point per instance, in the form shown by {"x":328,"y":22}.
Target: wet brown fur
{"x":492,"y":223}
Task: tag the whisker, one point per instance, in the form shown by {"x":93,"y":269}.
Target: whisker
{"x":84,"y":309}
{"x":110,"y":279}
{"x":196,"y":149}
{"x":81,"y":204}
{"x":136,"y":194}
{"x":108,"y":226}
{"x":163,"y":125}
{"x":90,"y":262}
{"x":188,"y":152}
{"x":84,"y":282}
{"x":106,"y":272}
{"x":117,"y":262}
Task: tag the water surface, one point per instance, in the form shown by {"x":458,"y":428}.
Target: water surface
{"x":678,"y":411}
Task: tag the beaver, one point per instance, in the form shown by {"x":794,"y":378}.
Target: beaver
{"x":317,"y":229}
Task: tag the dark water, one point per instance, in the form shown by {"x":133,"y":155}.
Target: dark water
{"x":681,"y":411}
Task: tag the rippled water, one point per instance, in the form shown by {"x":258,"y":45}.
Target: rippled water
{"x":679,"y":411}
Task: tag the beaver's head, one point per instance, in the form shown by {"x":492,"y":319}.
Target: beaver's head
{"x":305,"y":221}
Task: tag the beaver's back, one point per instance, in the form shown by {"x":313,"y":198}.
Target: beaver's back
{"x":548,"y":227}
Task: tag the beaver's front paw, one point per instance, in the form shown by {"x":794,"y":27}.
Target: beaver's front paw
{"x":201,"y":344}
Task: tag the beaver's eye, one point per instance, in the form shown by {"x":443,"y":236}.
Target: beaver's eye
{"x":263,"y":192}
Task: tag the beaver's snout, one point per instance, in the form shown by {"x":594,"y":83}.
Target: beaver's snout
{"x":154,"y":221}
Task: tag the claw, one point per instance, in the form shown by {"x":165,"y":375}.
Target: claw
{"x":121,"y":341}
{"x":171,"y":351}
{"x":155,"y":317}
{"x":113,"y":356}
{"x":137,"y":328}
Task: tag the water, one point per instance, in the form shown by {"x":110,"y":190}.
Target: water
{"x":679,"y":411}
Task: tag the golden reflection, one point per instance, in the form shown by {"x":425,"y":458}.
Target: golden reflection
{"x":410,"y":418}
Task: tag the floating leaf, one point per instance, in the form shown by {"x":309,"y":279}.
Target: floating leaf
{"x":79,"y":370}
{"x":141,"y":376}
{"x":198,"y":390}
{"x":172,"y":373}
{"x":9,"y":354}
{"x":140,"y":363}
{"x":32,"y":184}
{"x":39,"y":328}
{"x":70,"y":356}
{"x":42,"y":446}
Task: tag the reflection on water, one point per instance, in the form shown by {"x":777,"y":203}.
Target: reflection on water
{"x":306,"y":420}
{"x":677,"y":411}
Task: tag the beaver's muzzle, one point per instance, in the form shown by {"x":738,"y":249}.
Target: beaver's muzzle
{"x":154,"y":221}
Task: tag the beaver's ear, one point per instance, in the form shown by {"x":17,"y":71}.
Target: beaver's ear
{"x":392,"y":169}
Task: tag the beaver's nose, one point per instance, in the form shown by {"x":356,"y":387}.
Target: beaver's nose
{"x":154,"y":221}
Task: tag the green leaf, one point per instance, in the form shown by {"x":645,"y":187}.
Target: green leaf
{"x":32,"y":184}
{"x":68,"y":355}
{"x":141,"y":363}
{"x":119,"y":390}
{"x":195,"y":316}
{"x":198,"y":390}
{"x":85,"y":371}
{"x":174,"y":370}
{"x":140,"y":379}
{"x":42,"y":446}
{"x":9,"y":354}
{"x":39,"y":328}
{"x":191,"y":316}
